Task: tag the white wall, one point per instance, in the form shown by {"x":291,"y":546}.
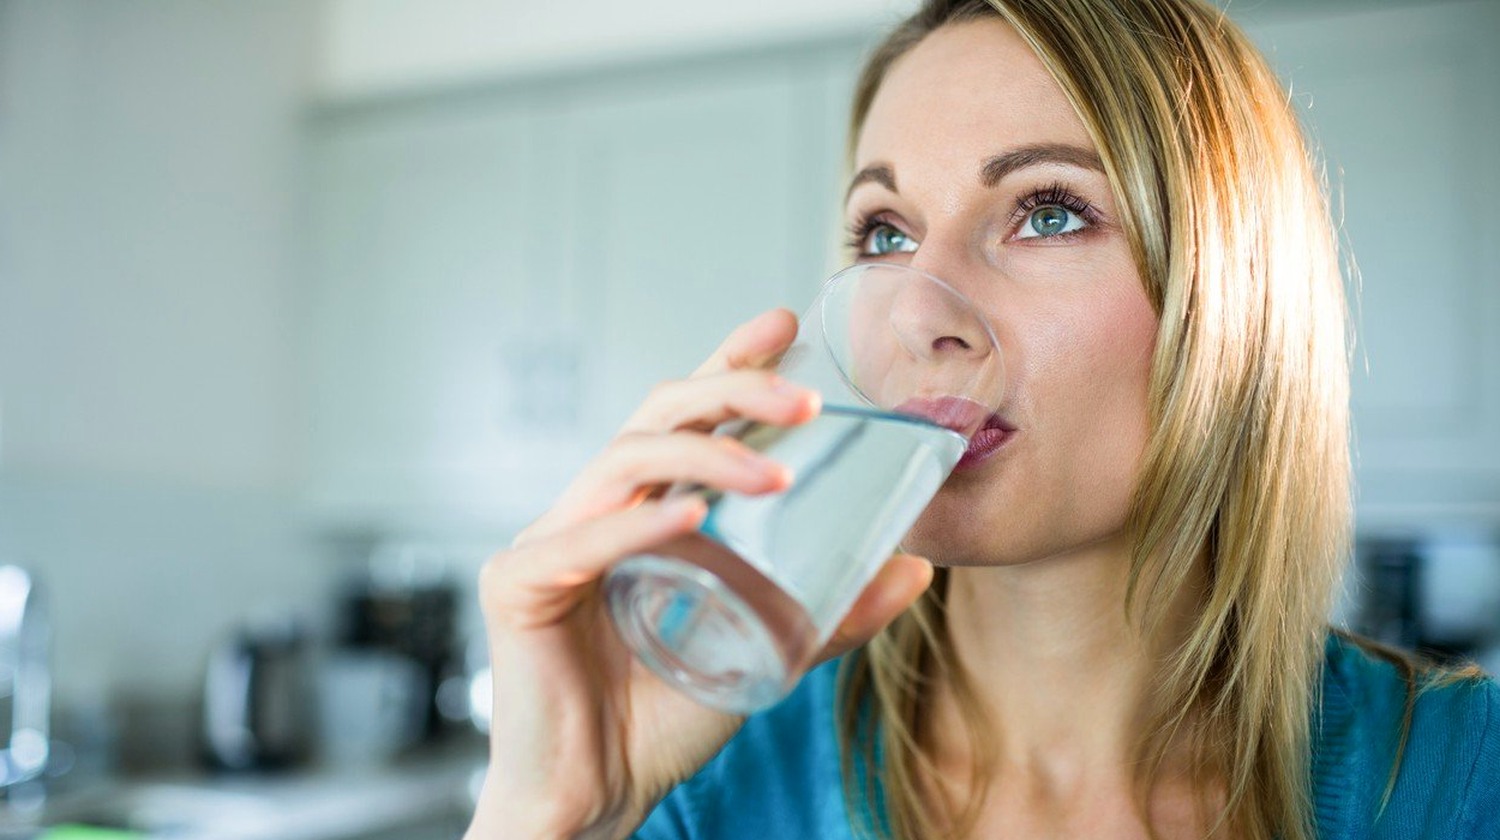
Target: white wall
{"x":382,"y":46}
{"x":149,"y":151}
{"x":375,"y":46}
{"x":147,"y":314}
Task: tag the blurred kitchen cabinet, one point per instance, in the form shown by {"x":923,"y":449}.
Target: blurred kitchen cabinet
{"x":1405,"y":104}
{"x":423,"y":248}
{"x":700,"y":200}
{"x":498,"y":278}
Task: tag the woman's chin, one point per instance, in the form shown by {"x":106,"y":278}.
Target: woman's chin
{"x":944,"y":543}
{"x":950,"y":527}
{"x":955,"y":538}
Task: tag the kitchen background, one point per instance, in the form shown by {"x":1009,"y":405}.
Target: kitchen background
{"x":306,"y":304}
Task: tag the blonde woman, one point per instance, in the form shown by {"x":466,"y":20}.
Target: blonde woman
{"x":1126,"y":633}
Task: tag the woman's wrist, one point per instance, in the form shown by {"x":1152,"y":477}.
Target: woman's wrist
{"x":504,"y":818}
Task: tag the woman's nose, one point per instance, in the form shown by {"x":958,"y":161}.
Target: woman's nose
{"x":933,"y":322}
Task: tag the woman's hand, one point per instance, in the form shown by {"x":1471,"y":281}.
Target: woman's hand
{"x":584,"y":740}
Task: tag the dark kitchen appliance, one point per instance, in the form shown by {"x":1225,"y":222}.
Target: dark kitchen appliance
{"x":258,"y":703}
{"x":414,"y":615}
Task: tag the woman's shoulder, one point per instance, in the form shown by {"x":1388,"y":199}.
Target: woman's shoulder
{"x":1385,"y":686}
{"x":1403,"y":749}
{"x":1380,"y":680}
{"x":777,"y":777}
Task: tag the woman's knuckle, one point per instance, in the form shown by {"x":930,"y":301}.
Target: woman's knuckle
{"x":584,"y":541}
{"x":620,"y":442}
{"x":489,"y":570}
{"x":626,"y":454}
{"x":622,"y":447}
{"x":663,"y":390}
{"x":494,"y":575}
{"x":756,"y":379}
{"x":524,"y":536}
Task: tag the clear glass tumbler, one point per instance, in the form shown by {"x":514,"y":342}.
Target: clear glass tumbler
{"x":733,"y":614}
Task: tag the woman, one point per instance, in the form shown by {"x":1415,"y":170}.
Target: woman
{"x":1126,"y":635}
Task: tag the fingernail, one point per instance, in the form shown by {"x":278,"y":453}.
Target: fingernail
{"x":783,"y":475}
{"x":767,"y":467}
{"x":787,"y":388}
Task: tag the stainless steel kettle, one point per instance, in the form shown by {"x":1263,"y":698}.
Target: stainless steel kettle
{"x":258,"y":704}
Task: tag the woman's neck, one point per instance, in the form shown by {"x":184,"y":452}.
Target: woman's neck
{"x":1061,"y":673}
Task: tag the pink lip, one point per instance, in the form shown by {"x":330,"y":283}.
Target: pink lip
{"x":986,"y":432}
{"x":985,"y":443}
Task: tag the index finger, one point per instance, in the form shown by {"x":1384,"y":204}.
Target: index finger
{"x":757,"y":343}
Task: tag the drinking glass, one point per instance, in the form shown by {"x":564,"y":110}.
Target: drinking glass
{"x":733,"y":614}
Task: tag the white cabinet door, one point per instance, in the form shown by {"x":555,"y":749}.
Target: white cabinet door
{"x":700,"y":197}
{"x":1406,"y":107}
{"x":424,"y":257}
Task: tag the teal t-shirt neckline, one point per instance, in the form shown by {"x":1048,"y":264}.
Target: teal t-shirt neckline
{"x":779,"y":777}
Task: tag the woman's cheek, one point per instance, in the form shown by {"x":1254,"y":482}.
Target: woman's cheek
{"x":1032,"y":261}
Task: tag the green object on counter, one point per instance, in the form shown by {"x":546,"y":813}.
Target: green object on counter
{"x":88,"y":832}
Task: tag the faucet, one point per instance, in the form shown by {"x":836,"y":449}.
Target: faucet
{"x":25,"y":680}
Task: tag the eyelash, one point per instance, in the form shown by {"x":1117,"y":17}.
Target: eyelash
{"x":1056,"y":195}
{"x":1053,"y":195}
{"x":861,"y":228}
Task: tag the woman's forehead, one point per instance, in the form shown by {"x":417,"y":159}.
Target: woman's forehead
{"x":964,"y":93}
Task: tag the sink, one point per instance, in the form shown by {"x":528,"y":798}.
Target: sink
{"x":156,"y":810}
{"x":172,"y":811}
{"x":424,"y":799}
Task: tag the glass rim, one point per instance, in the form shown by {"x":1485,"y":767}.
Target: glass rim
{"x":849,"y":272}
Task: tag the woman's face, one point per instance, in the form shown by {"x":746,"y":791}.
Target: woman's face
{"x":973,"y":167}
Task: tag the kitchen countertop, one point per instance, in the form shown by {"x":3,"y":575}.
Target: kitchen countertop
{"x":321,"y":803}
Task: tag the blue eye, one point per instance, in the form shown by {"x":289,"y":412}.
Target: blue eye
{"x":1049,"y":221}
{"x":888,"y":240}
{"x":879,"y":239}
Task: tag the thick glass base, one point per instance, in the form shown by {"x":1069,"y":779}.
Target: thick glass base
{"x":735,"y":648}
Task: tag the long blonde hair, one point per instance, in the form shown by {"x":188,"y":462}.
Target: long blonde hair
{"x":1248,"y":463}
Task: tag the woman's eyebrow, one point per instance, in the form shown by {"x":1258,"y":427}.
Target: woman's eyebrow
{"x":996,"y":168}
{"x":879,"y":173}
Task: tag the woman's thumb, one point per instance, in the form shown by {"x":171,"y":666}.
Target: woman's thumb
{"x":896,"y":586}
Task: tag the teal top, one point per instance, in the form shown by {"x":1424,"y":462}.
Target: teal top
{"x":779,"y":776}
